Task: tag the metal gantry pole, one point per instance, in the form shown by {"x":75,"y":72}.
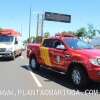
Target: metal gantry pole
{"x":42,"y":25}
{"x":37,"y":28}
{"x":29,"y":23}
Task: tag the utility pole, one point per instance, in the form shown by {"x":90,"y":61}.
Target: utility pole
{"x":42,"y":24}
{"x":21,"y":29}
{"x":37,"y":30}
{"x":29,"y":23}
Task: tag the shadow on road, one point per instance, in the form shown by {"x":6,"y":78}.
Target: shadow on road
{"x":63,"y":80}
{"x":5,"y":59}
{"x":26,"y":67}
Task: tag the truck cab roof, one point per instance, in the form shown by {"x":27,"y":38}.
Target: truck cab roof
{"x":9,"y":32}
{"x":62,"y":36}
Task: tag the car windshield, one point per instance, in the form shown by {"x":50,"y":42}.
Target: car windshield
{"x":6,"y":38}
{"x":77,"y":44}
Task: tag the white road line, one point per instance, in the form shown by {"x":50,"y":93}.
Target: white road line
{"x":35,"y":78}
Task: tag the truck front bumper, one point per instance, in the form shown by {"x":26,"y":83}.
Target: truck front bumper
{"x":94,"y":73}
{"x":6,"y":54}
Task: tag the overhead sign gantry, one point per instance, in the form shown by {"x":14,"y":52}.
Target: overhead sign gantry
{"x":57,"y":17}
{"x":50,"y":16}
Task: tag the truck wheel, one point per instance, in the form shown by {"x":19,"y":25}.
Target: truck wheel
{"x":34,"y":64}
{"x":79,"y":77}
{"x":13,"y":56}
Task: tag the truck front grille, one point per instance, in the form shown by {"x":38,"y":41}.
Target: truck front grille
{"x":2,"y":49}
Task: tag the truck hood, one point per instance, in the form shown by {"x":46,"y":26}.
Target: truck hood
{"x":89,"y":52}
{"x":5,"y":45}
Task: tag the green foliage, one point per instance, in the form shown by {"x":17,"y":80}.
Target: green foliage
{"x":64,"y":33}
{"x":98,"y":32}
{"x":0,"y":29}
{"x":46,"y":34}
{"x":81,"y":32}
{"x":38,"y":39}
{"x":91,"y":31}
{"x":29,"y":40}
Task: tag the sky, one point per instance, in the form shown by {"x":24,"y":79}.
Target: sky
{"x":14,"y":14}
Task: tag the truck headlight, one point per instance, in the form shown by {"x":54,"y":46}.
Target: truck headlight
{"x":95,"y":61}
{"x":9,"y":49}
{"x":98,"y":60}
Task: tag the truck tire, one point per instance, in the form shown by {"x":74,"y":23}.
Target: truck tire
{"x":79,"y":77}
{"x":13,"y":56}
{"x":33,"y":63}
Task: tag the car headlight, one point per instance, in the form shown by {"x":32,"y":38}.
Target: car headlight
{"x":95,"y":61}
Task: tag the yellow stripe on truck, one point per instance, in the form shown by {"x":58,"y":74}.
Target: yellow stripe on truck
{"x":44,"y":52}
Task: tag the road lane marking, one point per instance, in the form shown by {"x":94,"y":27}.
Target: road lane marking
{"x":35,"y":78}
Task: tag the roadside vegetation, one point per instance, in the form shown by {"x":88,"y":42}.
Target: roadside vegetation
{"x":83,"y":33}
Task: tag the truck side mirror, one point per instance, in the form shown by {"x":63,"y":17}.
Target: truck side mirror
{"x":16,"y":42}
{"x":61,"y":47}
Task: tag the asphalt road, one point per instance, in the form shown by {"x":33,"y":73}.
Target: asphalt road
{"x":19,"y":82}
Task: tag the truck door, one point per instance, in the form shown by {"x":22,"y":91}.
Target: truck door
{"x":17,"y":47}
{"x":46,"y":52}
{"x":58,"y":55}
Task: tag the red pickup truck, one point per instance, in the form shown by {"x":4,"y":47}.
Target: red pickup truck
{"x":69,"y":55}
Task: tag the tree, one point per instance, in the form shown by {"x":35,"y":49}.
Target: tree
{"x":81,"y":32}
{"x":0,"y":29}
{"x":64,"y":33}
{"x":98,"y":31}
{"x":91,"y":31}
{"x":38,"y":39}
{"x":28,"y":40}
{"x":46,"y":34}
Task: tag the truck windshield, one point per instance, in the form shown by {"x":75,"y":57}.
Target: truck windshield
{"x":6,"y":38}
{"x":77,"y":44}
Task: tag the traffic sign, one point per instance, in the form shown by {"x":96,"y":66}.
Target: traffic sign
{"x":57,"y":17}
